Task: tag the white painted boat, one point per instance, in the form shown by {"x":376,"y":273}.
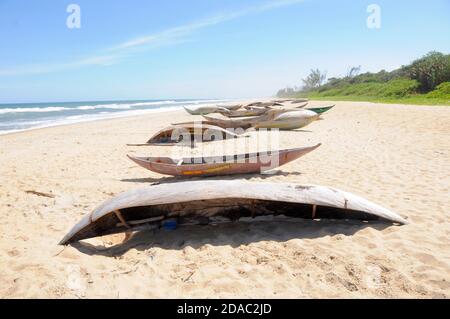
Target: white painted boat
{"x":205,"y":109}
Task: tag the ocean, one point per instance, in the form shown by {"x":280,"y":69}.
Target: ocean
{"x":25,"y":116}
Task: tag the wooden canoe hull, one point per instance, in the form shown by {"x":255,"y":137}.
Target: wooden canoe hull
{"x":320,"y":110}
{"x":200,"y":110}
{"x":284,"y":119}
{"x":229,"y":123}
{"x":245,"y":113}
{"x":299,"y":101}
{"x":232,"y":107}
{"x":204,"y":202}
{"x":227,"y":165}
{"x":189,"y":133}
{"x":289,"y":120}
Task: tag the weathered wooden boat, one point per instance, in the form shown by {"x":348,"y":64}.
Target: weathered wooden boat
{"x":264,"y":104}
{"x":222,"y":165}
{"x":320,"y":110}
{"x":219,"y":201}
{"x":283,"y":101}
{"x":255,"y":111}
{"x":229,"y":123}
{"x":247,"y":111}
{"x":188,"y":134}
{"x":205,"y":109}
{"x":301,"y":106}
{"x":232,"y":107}
{"x":288,"y":120}
{"x":296,"y":101}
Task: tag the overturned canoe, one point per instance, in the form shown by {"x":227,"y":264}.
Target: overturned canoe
{"x":320,"y":110}
{"x":218,"y":201}
{"x":204,"y":109}
{"x":189,"y":134}
{"x":222,"y":165}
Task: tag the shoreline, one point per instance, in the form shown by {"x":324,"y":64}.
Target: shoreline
{"x":128,"y":111}
{"x":180,"y":108}
{"x":119,"y":116}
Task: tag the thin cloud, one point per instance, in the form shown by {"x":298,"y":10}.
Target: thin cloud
{"x":175,"y":33}
{"x":58,"y":67}
{"x":171,"y":36}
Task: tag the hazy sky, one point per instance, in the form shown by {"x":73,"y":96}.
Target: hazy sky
{"x":140,"y":49}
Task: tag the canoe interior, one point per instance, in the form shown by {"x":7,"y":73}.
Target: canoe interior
{"x":214,"y":159}
{"x":195,"y":135}
{"x":203,"y":212}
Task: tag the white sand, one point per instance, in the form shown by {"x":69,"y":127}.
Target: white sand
{"x":397,"y":156}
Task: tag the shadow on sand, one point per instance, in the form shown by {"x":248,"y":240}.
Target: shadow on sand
{"x":232,"y":234}
{"x":172,"y":179}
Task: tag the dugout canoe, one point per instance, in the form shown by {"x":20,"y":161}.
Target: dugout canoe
{"x":320,"y":110}
{"x":232,"y":107}
{"x":248,"y":111}
{"x":222,"y":165}
{"x":245,"y":112}
{"x":205,"y":109}
{"x":299,"y":101}
{"x":263,"y":104}
{"x":189,"y":134}
{"x":273,"y":118}
{"x":288,"y":120}
{"x":218,"y":201}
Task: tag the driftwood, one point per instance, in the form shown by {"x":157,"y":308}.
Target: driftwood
{"x":218,"y":201}
{"x":40,"y":194}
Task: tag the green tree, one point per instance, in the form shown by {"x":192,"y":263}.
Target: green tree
{"x":430,"y":70}
{"x":314,"y":79}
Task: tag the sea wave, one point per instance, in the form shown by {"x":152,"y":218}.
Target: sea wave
{"x":114,"y":106}
{"x":13,"y":121}
{"x":32,"y":109}
{"x":30,"y":125}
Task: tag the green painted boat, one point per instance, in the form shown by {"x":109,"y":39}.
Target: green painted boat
{"x":320,"y":110}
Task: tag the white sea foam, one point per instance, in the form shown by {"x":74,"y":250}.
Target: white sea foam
{"x":32,"y":109}
{"x":113,"y":106}
{"x":60,"y":118}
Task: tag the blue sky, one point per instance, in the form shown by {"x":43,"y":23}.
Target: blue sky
{"x":140,"y":49}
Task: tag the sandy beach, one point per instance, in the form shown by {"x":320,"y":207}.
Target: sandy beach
{"x":395,"y":155}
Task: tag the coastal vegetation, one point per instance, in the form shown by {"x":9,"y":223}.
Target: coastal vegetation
{"x":424,"y":81}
